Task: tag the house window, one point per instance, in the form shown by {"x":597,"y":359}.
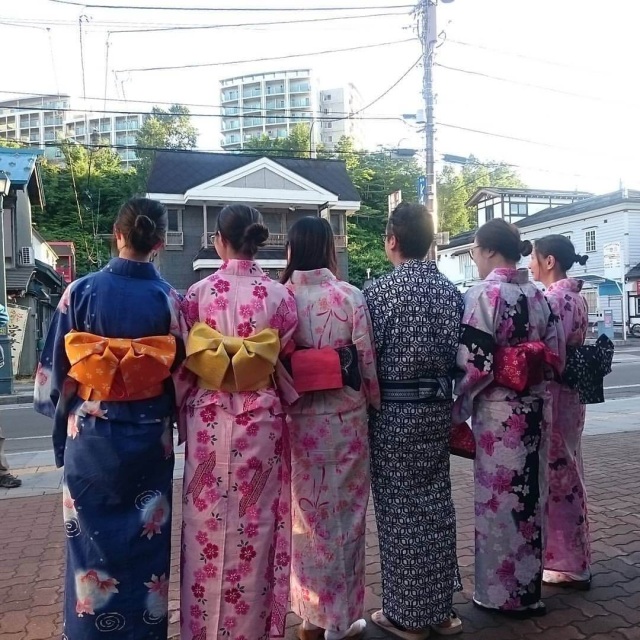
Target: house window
{"x":590,"y":240}
{"x":327,"y":97}
{"x":518,"y":209}
{"x":328,"y":125}
{"x":175,"y":219}
{"x":488,"y":212}
{"x":591,"y":298}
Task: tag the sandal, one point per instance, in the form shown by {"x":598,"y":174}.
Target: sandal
{"x":380,"y":620}
{"x":9,"y":481}
{"x":450,"y":627}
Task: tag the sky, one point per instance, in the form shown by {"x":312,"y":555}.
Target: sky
{"x":559,"y":76}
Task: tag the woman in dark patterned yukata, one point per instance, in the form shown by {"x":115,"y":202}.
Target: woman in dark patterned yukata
{"x":104,"y":378}
{"x":505,"y":311}
{"x":416,"y":313}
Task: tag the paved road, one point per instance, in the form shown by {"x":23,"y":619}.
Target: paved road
{"x":26,"y":430}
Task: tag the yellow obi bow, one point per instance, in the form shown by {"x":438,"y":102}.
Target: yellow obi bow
{"x":232,"y":364}
{"x":119,"y":369}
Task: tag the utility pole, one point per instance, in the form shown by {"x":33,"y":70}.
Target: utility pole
{"x":428,"y":31}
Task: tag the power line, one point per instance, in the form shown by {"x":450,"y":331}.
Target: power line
{"x":255,"y":24}
{"x":572,"y":94}
{"x":266,"y":59}
{"x":228,"y":9}
{"x":208,"y":115}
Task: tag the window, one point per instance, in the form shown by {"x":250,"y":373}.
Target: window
{"x":175,"y":220}
{"x":591,"y":298}
{"x":328,"y":125}
{"x":518,"y":209}
{"x":488,"y":213}
{"x":590,"y":241}
{"x":327,"y":97}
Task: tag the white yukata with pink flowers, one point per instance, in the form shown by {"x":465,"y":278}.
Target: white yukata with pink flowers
{"x":567,"y":552}
{"x":330,"y":458}
{"x":236,"y":505}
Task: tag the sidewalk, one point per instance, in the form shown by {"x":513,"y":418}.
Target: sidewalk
{"x":31,"y":561}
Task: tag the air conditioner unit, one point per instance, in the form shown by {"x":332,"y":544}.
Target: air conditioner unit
{"x":25,"y":257}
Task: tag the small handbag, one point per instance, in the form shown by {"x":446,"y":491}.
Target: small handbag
{"x":325,"y":369}
{"x":587,"y":367}
{"x":461,"y":441}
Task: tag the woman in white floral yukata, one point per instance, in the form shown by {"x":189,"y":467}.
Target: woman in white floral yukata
{"x":329,"y":437}
{"x":236,"y":504}
{"x":567,"y":553}
{"x":506,"y":310}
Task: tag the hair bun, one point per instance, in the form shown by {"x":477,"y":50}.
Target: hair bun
{"x":581,"y":260}
{"x":255,"y":234}
{"x":525,"y":248}
{"x":144,"y":223}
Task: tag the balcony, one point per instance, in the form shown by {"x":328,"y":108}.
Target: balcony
{"x":229,"y":125}
{"x":251,"y":93}
{"x":254,"y":106}
{"x":277,"y":90}
{"x":300,"y":88}
{"x":230,"y":96}
{"x":299,"y":104}
{"x":278,"y":240}
{"x":252,"y":122}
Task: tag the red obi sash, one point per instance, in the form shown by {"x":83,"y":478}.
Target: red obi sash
{"x":523,"y":366}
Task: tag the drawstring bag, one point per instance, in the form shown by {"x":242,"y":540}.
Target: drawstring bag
{"x":461,"y":442}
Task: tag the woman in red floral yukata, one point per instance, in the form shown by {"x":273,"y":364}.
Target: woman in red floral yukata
{"x":567,"y":553}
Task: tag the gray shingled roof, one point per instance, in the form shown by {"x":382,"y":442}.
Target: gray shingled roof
{"x":179,"y":171}
{"x":582,"y":206}
{"x":18,"y":278}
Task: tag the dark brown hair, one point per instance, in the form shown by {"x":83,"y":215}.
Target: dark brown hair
{"x":243,"y":228}
{"x":312,"y":247}
{"x":503,"y":238}
{"x":143,"y":223}
{"x":561,"y":248}
{"x":413,"y":228}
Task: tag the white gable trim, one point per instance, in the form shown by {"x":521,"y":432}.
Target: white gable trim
{"x":219,"y":189}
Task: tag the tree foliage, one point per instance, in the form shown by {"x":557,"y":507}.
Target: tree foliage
{"x":455,"y":187}
{"x":296,"y":145}
{"x":83,"y":197}
{"x":163,"y":129}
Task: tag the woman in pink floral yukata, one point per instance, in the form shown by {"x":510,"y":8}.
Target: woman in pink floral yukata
{"x":567,"y":554}
{"x":506,"y":314}
{"x":236,"y":505}
{"x":329,"y":438}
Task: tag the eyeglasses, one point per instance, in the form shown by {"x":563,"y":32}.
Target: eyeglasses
{"x":385,"y":236}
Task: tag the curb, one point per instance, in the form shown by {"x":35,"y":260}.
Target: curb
{"x":17,"y":398}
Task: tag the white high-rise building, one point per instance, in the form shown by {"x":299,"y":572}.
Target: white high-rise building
{"x":44,"y":120}
{"x":341,"y":102}
{"x":265,"y":104}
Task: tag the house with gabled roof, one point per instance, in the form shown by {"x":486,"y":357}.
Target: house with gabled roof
{"x":195,"y":186}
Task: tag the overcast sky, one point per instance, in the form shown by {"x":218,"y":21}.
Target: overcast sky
{"x":579,"y":58}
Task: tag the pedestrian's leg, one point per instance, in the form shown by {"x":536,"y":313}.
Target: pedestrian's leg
{"x":7,"y":481}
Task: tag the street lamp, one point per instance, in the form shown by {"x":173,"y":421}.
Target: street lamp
{"x":6,"y":370}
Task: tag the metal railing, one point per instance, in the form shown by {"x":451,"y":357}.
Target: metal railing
{"x":274,"y":240}
{"x":174,"y":239}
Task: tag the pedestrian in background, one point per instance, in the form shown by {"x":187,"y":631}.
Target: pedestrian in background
{"x":7,"y":479}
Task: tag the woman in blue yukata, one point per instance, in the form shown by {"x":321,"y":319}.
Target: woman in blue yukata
{"x":104,"y":378}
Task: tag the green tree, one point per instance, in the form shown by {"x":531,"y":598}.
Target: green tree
{"x":163,"y":129}
{"x":83,"y":197}
{"x":296,"y":145}
{"x":455,"y":187}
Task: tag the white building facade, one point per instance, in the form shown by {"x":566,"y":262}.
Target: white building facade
{"x":343,"y":102}
{"x":44,"y":120}
{"x":265,"y":104}
{"x":593,"y":225}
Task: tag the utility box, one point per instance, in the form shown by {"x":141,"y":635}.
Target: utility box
{"x":605,"y":323}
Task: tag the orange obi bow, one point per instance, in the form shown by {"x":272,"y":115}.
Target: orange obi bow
{"x":224,"y":363}
{"x":119,"y":369}
{"x":523,"y":365}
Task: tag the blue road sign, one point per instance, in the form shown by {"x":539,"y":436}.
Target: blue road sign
{"x":422,"y":189}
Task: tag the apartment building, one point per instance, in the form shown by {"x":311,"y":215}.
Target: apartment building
{"x":341,"y":102}
{"x":43,"y":120}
